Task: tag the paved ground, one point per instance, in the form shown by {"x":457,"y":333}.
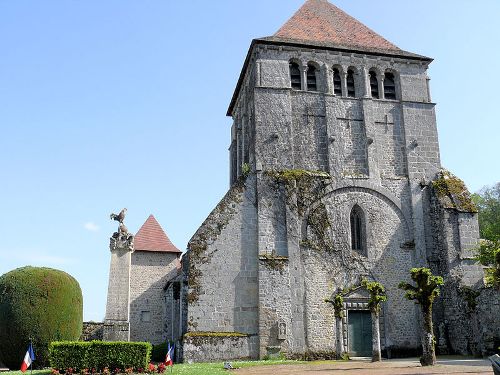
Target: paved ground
{"x":387,"y":367}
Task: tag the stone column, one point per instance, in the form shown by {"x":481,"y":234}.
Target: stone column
{"x":343,"y":80}
{"x":304,"y":77}
{"x":329,"y":80}
{"x":365,"y":80}
{"x":116,"y":322}
{"x":381,"y":78}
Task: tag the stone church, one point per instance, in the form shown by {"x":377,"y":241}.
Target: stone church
{"x":335,"y":176}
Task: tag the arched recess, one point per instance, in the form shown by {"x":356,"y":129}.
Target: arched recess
{"x":351,"y":82}
{"x":374,"y":84}
{"x":312,"y":76}
{"x":357,"y":223}
{"x":295,"y":75}
{"x":376,"y":191}
{"x":391,"y":85}
{"x":337,"y":80}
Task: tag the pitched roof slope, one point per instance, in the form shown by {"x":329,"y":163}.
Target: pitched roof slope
{"x":318,"y":21}
{"x":151,"y":237}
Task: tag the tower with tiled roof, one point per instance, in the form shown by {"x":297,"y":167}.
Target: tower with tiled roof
{"x":154,"y":262}
{"x":141,"y":277}
{"x":334,"y":173}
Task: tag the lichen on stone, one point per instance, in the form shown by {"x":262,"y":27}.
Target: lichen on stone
{"x":215,"y":334}
{"x":452,"y":192}
{"x":208,"y":232}
{"x":274,"y":262}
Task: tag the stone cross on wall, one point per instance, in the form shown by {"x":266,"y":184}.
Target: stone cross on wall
{"x":312,"y":113}
{"x":386,"y":123}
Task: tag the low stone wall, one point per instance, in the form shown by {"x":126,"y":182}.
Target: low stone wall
{"x":92,"y":331}
{"x":208,"y":347}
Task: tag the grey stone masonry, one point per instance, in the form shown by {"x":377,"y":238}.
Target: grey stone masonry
{"x":116,"y":322}
{"x":150,"y":272}
{"x":329,"y":188}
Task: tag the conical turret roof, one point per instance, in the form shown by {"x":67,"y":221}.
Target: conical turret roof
{"x":151,"y":237}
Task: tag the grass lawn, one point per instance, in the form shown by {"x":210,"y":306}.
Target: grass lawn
{"x":191,"y":369}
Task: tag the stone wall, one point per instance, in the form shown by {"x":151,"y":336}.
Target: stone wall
{"x":92,"y":331}
{"x":487,"y":315}
{"x":466,"y":315}
{"x":209,"y":348}
{"x":222,"y":274}
{"x":150,"y":272}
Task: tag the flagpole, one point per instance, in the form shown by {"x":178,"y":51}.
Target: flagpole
{"x":31,"y":364}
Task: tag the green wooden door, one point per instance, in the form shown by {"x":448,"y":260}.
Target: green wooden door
{"x":360,"y":333}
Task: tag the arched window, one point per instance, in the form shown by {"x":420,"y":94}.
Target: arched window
{"x":311,"y":78}
{"x":358,"y":229}
{"x":337,"y":82}
{"x":389,"y":86}
{"x":351,"y":90}
{"x":374,"y":84}
{"x":295,"y":76}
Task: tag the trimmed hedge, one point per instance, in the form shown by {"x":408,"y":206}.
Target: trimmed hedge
{"x":80,"y":355}
{"x":43,"y":304}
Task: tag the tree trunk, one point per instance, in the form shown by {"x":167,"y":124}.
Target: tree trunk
{"x":376,"y":353}
{"x":429,"y":353}
{"x":340,"y":338}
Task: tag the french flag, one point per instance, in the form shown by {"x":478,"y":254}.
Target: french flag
{"x":28,"y":358}
{"x":168,"y":358}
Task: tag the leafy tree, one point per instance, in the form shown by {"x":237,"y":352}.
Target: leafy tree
{"x":488,"y":204}
{"x":338,"y":308}
{"x":424,"y":294}
{"x":488,"y":252}
{"x":377,"y":296}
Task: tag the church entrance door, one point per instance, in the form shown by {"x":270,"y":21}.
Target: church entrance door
{"x":360,"y":333}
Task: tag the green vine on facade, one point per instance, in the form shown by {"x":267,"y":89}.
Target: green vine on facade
{"x":302,"y":187}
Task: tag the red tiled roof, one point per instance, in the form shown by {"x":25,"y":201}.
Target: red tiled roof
{"x":151,"y":237}
{"x":318,"y":21}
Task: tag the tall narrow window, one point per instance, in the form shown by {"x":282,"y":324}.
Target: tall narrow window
{"x":374,"y":85}
{"x":295,"y":76}
{"x":357,"y":229}
{"x":389,"y":86}
{"x":351,"y":90}
{"x":337,"y":82}
{"x":311,"y":78}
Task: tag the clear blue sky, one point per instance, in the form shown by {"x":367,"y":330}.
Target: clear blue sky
{"x":119,"y":103}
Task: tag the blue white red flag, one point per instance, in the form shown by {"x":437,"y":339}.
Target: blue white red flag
{"x":170,"y":354}
{"x":28,"y":358}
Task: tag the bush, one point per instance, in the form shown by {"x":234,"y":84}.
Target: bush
{"x":98,"y":354}
{"x":159,"y":352}
{"x":38,"y":303}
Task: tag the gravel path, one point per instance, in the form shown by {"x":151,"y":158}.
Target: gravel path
{"x":387,"y":367}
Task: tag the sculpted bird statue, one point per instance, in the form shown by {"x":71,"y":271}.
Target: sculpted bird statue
{"x":120,"y":217}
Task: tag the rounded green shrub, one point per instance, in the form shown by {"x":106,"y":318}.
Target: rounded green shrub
{"x":39,"y":303}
